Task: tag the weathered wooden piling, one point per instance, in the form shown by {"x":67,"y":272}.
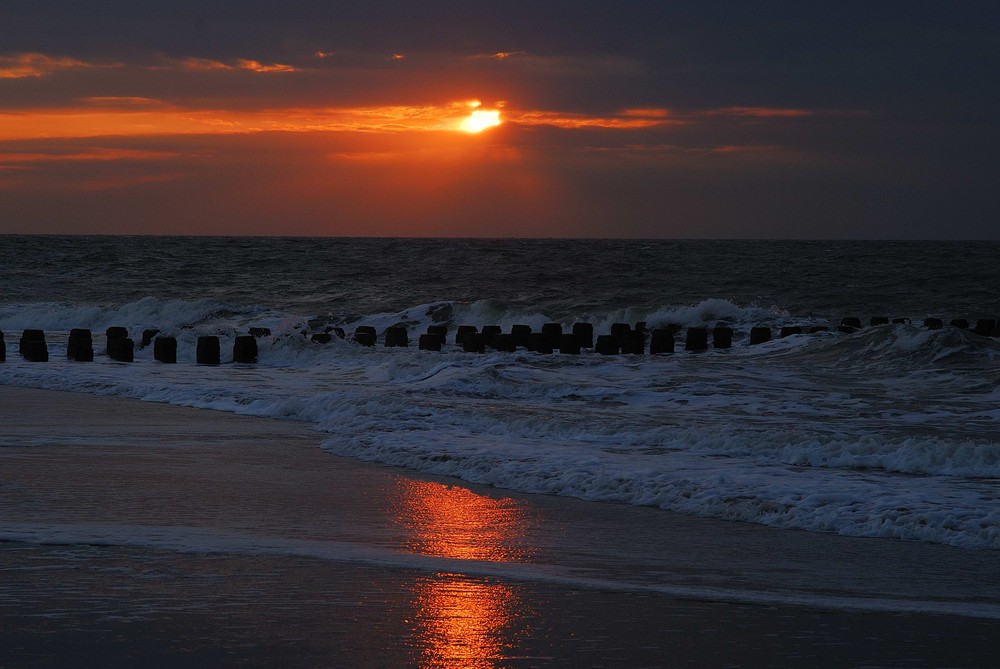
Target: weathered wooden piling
{"x":464,"y":331}
{"x":208,"y":350}
{"x":722,"y":336}
{"x":933,"y":323}
{"x":490,"y":331}
{"x":540,"y":342}
{"x":569,"y":344}
{"x":633,"y":342}
{"x":438,"y":330}
{"x":147,"y":337}
{"x":114,"y":348}
{"x":520,"y":333}
{"x":397,"y":336}
{"x":3,"y":348}
{"x":121,"y":349}
{"x":760,"y":335}
{"x":258,"y":333}
{"x":618,"y":330}
{"x":438,"y":334}
{"x":585,"y":331}
{"x":661,"y":341}
{"x":365,"y":335}
{"x":35,"y":350}
{"x":32,"y":346}
{"x":789,"y":330}
{"x":80,"y":346}
{"x":429,"y":342}
{"x":245,"y":349}
{"x":504,"y":343}
{"x":697,"y":339}
{"x":607,"y":345}
{"x":29,"y":335}
{"x":165,"y":349}
{"x":554,"y":332}
{"x":851,"y":322}
{"x":473,"y":342}
{"x":985,"y":327}
{"x":115,"y":332}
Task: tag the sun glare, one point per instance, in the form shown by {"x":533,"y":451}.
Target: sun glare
{"x":481,"y":119}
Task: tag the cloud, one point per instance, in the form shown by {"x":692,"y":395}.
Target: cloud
{"x":210,"y":65}
{"x":29,"y":65}
{"x":628,"y":119}
{"x":132,"y":116}
{"x":87,"y":154}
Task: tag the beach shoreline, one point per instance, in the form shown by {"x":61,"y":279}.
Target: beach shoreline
{"x":140,"y":532}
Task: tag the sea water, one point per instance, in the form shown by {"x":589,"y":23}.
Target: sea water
{"x":888,"y":431}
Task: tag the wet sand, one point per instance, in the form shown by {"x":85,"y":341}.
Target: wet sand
{"x":145,"y":534}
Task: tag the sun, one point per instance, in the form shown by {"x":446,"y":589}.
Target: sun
{"x":481,"y":119}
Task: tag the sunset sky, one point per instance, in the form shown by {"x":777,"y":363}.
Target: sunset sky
{"x":548,"y":119}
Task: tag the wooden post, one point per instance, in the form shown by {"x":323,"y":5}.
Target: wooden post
{"x":697,"y":339}
{"x":80,"y":346}
{"x":662,"y":341}
{"x":165,"y":349}
{"x":570,"y":344}
{"x":245,"y":349}
{"x":208,"y":352}
{"x":607,"y":345}
{"x":585,"y":331}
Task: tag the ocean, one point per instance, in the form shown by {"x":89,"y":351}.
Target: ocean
{"x":886,"y":431}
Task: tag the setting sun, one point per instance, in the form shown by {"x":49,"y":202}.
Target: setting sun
{"x":481,"y":119}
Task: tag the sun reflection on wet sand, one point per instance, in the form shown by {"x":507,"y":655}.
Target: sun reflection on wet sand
{"x":462,"y":621}
{"x":454,"y":522}
{"x":465,"y":622}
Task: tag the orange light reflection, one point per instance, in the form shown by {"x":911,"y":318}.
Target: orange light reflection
{"x":454,"y":522}
{"x":464,"y":622}
{"x":461,"y":621}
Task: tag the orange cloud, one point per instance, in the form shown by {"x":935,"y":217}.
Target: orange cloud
{"x":499,"y":55}
{"x":209,"y":65}
{"x":627,"y":119}
{"x":143,"y":116}
{"x":92,"y":154}
{"x":130,"y":119}
{"x":27,"y":65}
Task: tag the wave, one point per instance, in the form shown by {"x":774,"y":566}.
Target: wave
{"x":206,"y":314}
{"x":888,"y":431}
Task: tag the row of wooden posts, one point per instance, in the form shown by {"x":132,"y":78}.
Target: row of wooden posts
{"x":622,"y":339}
{"x":120,"y":347}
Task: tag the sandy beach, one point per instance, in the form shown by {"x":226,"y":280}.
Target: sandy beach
{"x":134,"y":533}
